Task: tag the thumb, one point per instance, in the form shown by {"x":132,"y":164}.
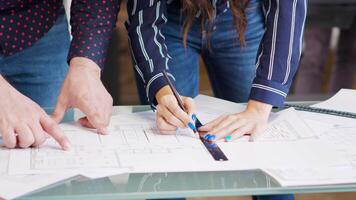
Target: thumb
{"x":85,"y":122}
{"x":95,"y":121}
{"x":59,"y":110}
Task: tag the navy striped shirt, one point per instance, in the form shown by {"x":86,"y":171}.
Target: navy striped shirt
{"x":277,"y":59}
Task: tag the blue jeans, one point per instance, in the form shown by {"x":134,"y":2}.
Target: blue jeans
{"x":274,"y":197}
{"x":38,"y":71}
{"x":261,"y":197}
{"x":231,"y":67}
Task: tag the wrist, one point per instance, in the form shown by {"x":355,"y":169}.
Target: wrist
{"x":3,"y":84}
{"x":6,"y":89}
{"x":260,"y":108}
{"x":166,"y":90}
{"x":85,"y":64}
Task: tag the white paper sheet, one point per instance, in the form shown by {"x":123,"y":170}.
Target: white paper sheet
{"x":313,"y":176}
{"x":131,"y":134}
{"x":328,"y":120}
{"x":344,"y":100}
{"x":304,"y":154}
{"x":211,"y":105}
{"x":343,"y":170}
{"x":4,"y":158}
{"x":15,"y":186}
{"x":287,"y":125}
{"x":49,"y":160}
{"x":135,"y":144}
{"x":343,"y":139}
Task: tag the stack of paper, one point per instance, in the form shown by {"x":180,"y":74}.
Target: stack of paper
{"x":344,"y":100}
{"x":338,"y":133}
{"x":293,"y":147}
{"x":135,"y":145}
{"x":15,"y":186}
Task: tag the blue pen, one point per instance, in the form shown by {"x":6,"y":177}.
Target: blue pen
{"x":179,"y":100}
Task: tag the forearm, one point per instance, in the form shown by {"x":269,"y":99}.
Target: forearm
{"x":92,"y":25}
{"x":150,"y":54}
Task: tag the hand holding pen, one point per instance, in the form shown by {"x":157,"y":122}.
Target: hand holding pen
{"x":173,"y":112}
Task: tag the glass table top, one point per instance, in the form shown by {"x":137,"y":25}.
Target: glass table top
{"x":175,"y":185}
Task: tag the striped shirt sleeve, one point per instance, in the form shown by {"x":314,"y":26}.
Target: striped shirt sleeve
{"x":150,"y":55}
{"x":280,"y":50}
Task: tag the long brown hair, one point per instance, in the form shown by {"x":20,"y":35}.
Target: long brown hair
{"x":192,"y":7}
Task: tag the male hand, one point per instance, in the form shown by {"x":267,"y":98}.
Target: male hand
{"x":83,"y":89}
{"x":23,"y":123}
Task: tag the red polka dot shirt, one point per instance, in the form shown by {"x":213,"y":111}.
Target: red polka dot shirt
{"x":23,"y":22}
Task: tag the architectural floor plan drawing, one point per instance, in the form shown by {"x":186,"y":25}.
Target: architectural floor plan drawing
{"x":78,"y":157}
{"x":288,"y":127}
{"x":135,"y":145}
{"x":92,"y":151}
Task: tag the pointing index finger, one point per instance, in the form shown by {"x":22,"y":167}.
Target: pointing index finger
{"x":52,"y":128}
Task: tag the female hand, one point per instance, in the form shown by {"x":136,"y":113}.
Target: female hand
{"x":170,"y":115}
{"x":230,"y":127}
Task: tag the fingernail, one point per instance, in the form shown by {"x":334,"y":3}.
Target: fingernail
{"x":67,"y":146}
{"x":209,"y":137}
{"x":194,"y":117}
{"x":228,"y":138}
{"x":104,"y":131}
{"x":212,"y":137}
{"x":191,"y":126}
{"x":206,"y":137}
